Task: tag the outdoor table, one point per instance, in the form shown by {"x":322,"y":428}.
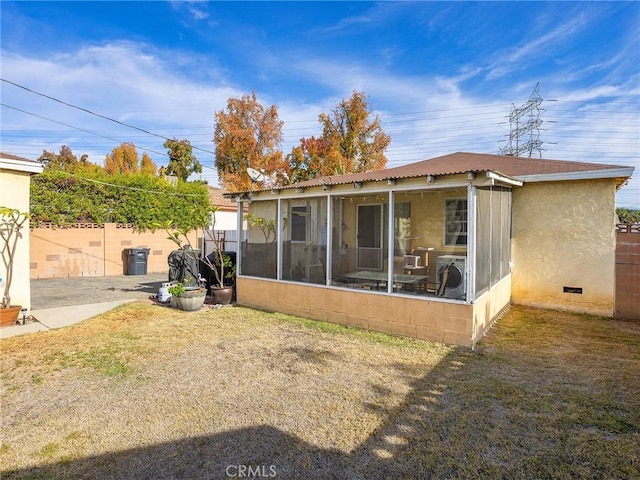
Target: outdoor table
{"x":377,"y":277}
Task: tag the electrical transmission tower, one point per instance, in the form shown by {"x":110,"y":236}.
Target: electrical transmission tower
{"x":524,"y":128}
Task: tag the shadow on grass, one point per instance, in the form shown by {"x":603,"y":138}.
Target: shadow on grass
{"x":473,"y":415}
{"x":265,"y":451}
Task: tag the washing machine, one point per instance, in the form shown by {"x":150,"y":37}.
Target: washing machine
{"x":453,"y":268}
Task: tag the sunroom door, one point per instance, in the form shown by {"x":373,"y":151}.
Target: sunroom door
{"x":369,"y":237}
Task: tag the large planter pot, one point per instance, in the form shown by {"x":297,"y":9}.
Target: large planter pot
{"x":221,"y":295}
{"x":9,"y":316}
{"x":191,"y":300}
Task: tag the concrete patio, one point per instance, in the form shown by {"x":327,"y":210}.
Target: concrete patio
{"x":58,"y":302}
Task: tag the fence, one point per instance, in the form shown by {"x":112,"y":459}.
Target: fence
{"x":228,"y":239}
{"x":91,"y":250}
{"x":628,"y":270}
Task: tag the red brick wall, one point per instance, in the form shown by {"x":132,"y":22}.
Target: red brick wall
{"x":88,"y":250}
{"x":628,"y":272}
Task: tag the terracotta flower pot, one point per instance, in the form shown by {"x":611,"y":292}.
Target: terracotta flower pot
{"x":9,"y":316}
{"x":221,"y":296}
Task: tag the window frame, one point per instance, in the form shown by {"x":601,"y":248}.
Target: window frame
{"x":299,"y":222}
{"x":448,"y":220}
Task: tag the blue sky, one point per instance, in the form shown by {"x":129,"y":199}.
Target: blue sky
{"x":442,"y":76}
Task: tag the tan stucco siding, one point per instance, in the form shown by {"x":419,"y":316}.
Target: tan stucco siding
{"x":488,"y":307}
{"x":431,"y":320}
{"x":563,"y":236}
{"x":14,"y":193}
{"x":439,"y":321}
{"x":427,"y":218}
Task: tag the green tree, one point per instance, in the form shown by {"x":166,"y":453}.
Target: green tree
{"x":628,"y":215}
{"x":64,"y":160}
{"x":182,"y":161}
{"x":248,"y":135}
{"x":97,"y":197}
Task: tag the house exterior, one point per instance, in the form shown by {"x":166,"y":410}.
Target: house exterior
{"x":226,"y":215}
{"x":435,"y":249}
{"x":15,"y":175}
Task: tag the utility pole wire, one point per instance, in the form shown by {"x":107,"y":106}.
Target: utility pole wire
{"x":99,"y":115}
{"x":76,"y":128}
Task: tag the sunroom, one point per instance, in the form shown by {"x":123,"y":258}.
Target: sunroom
{"x":422,"y":253}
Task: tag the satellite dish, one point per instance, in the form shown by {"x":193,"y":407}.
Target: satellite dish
{"x":255,"y":175}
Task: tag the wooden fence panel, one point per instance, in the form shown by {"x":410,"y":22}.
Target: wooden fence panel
{"x":628,"y":271}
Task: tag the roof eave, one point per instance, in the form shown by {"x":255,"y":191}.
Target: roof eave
{"x":500,"y":178}
{"x":26,"y":166}
{"x":618,"y":172}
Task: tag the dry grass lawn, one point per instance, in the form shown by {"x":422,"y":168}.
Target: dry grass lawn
{"x":146,"y":392}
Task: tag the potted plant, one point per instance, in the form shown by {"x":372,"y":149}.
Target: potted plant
{"x":11,"y":224}
{"x":189,"y":299}
{"x":261,"y":256}
{"x":219,"y":263}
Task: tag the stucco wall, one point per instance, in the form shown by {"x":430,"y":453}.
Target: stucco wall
{"x":563,"y":237}
{"x":14,"y":193}
{"x":489,"y":306}
{"x":78,"y":252}
{"x":226,"y":220}
{"x":427,"y":216}
{"x":431,"y":320}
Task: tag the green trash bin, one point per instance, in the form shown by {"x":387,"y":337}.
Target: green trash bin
{"x":136,"y":263}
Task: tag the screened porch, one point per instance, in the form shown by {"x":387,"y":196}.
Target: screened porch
{"x":449,"y":241}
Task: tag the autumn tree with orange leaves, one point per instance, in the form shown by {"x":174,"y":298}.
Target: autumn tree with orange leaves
{"x":355,"y":142}
{"x":248,"y":135}
{"x":350,"y":143}
{"x":309,"y":160}
{"x":122,"y":159}
{"x":148,"y":166}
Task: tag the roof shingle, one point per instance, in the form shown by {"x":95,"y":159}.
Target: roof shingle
{"x":462,"y":162}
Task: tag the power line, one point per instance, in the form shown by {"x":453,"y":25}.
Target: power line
{"x":126,"y":187}
{"x":98,"y":115}
{"x":76,"y":128}
{"x":531,"y":129}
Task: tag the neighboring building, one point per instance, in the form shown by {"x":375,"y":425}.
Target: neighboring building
{"x":15,"y":175}
{"x":225,"y":222}
{"x":465,"y":235}
{"x":226,"y":216}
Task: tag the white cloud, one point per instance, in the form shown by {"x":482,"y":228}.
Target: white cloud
{"x":425,"y":115}
{"x":129,"y":82}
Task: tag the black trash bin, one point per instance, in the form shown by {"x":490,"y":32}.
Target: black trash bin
{"x":136,"y":263}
